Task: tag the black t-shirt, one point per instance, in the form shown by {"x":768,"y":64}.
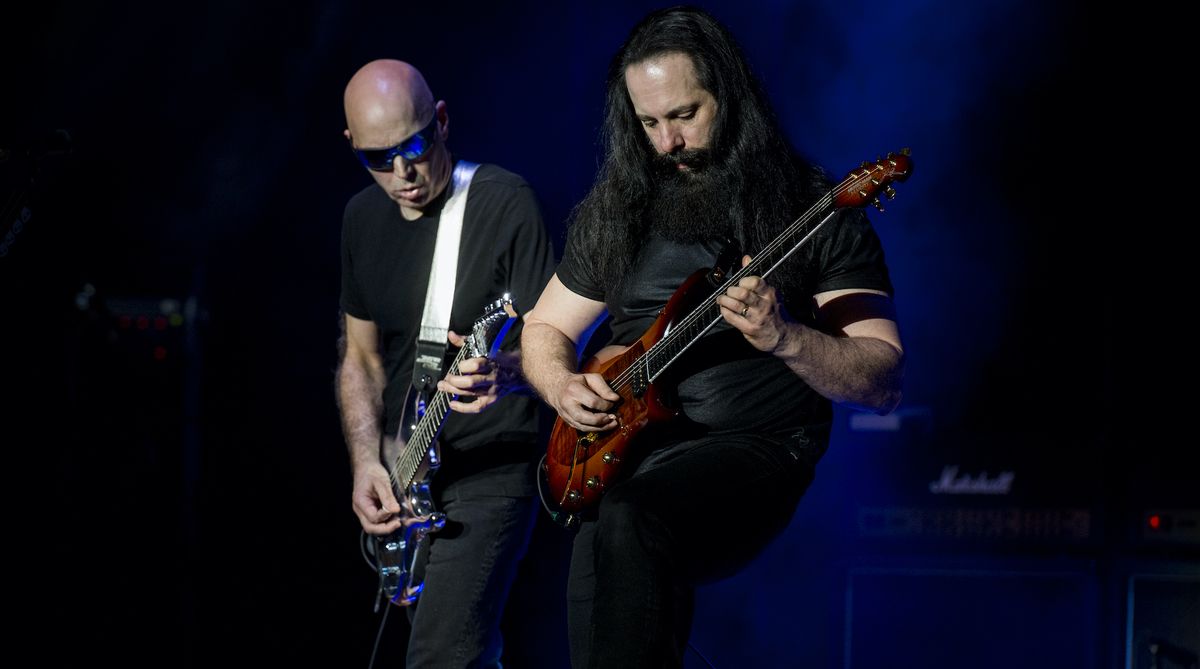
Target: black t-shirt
{"x":724,"y":384}
{"x":385,"y":271}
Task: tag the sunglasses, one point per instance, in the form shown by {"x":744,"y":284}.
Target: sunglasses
{"x":412,"y":149}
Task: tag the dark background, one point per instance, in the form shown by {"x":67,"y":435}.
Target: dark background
{"x":177,"y":489}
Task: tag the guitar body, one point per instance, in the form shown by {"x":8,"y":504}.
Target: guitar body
{"x":580,"y":465}
{"x":413,"y":457}
{"x":399,"y":552}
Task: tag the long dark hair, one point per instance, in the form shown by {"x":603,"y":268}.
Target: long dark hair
{"x":770,"y":183}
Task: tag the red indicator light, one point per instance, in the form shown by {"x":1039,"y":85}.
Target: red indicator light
{"x":160,"y":323}
{"x":142,"y":322}
{"x":160,"y":353}
{"x":1155,"y":521}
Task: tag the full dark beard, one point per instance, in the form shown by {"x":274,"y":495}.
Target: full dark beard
{"x":690,"y":205}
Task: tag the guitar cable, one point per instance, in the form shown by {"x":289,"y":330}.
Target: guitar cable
{"x":700,"y":655}
{"x":557,"y":516}
{"x":379,"y":636}
{"x":364,"y":547}
{"x":386,"y":611}
{"x":540,"y":485}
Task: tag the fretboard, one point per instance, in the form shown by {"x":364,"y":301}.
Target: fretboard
{"x":686,"y":332}
{"x":404,"y":472}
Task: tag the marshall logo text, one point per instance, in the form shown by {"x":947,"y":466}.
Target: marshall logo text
{"x":951,"y":483}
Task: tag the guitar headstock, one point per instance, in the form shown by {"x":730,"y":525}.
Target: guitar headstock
{"x":863,"y":186}
{"x":489,"y":329}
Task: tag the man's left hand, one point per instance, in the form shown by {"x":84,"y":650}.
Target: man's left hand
{"x":487,"y":380}
{"x":754,"y":309}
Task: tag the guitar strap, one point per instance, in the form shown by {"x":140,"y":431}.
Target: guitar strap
{"x":439,"y":295}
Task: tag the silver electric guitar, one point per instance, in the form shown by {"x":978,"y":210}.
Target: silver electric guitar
{"x":412,"y":458}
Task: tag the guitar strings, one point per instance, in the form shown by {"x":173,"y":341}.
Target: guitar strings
{"x":826,"y":205}
{"x":641,"y":363}
{"x":708,"y":311}
{"x":626,"y":377}
{"x":411,"y":457}
{"x":822,"y":204}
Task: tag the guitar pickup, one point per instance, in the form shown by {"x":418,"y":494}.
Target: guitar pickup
{"x":638,"y":383}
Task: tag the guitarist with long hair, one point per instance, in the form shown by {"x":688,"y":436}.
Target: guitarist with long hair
{"x":390,"y":239}
{"x":697,"y":174}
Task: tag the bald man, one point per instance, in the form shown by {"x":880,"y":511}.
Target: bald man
{"x":485,"y":485}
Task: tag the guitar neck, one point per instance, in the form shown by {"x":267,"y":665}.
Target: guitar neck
{"x":857,"y":189}
{"x":413,"y":454}
{"x":685,"y":333}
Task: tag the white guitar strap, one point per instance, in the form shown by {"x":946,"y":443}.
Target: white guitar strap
{"x":439,"y":296}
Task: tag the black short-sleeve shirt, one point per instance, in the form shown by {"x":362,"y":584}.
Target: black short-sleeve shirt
{"x":724,"y":384}
{"x":385,"y":271}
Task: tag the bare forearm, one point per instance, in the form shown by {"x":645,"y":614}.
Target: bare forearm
{"x":360,"y":401}
{"x":861,"y":372}
{"x":547,"y":359}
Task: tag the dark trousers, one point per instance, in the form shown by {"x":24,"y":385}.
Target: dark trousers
{"x":471,"y":565}
{"x":694,"y":512}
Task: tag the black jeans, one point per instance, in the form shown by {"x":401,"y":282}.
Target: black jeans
{"x":693,"y":512}
{"x":471,"y":565}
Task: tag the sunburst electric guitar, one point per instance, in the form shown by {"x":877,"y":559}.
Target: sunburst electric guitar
{"x":412,"y":458}
{"x":579,"y":465}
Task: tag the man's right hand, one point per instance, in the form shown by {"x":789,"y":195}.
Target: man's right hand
{"x":583,"y":402}
{"x":373,"y":500}
{"x":558,"y":325}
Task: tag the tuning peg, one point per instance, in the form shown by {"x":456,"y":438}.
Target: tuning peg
{"x":865,"y":165}
{"x":877,"y":204}
{"x":890,"y":192}
{"x":905,"y":151}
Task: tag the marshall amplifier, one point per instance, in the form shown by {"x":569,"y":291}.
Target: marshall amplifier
{"x":901,"y":483}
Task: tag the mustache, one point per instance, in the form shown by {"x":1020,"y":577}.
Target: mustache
{"x":696,"y":159}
